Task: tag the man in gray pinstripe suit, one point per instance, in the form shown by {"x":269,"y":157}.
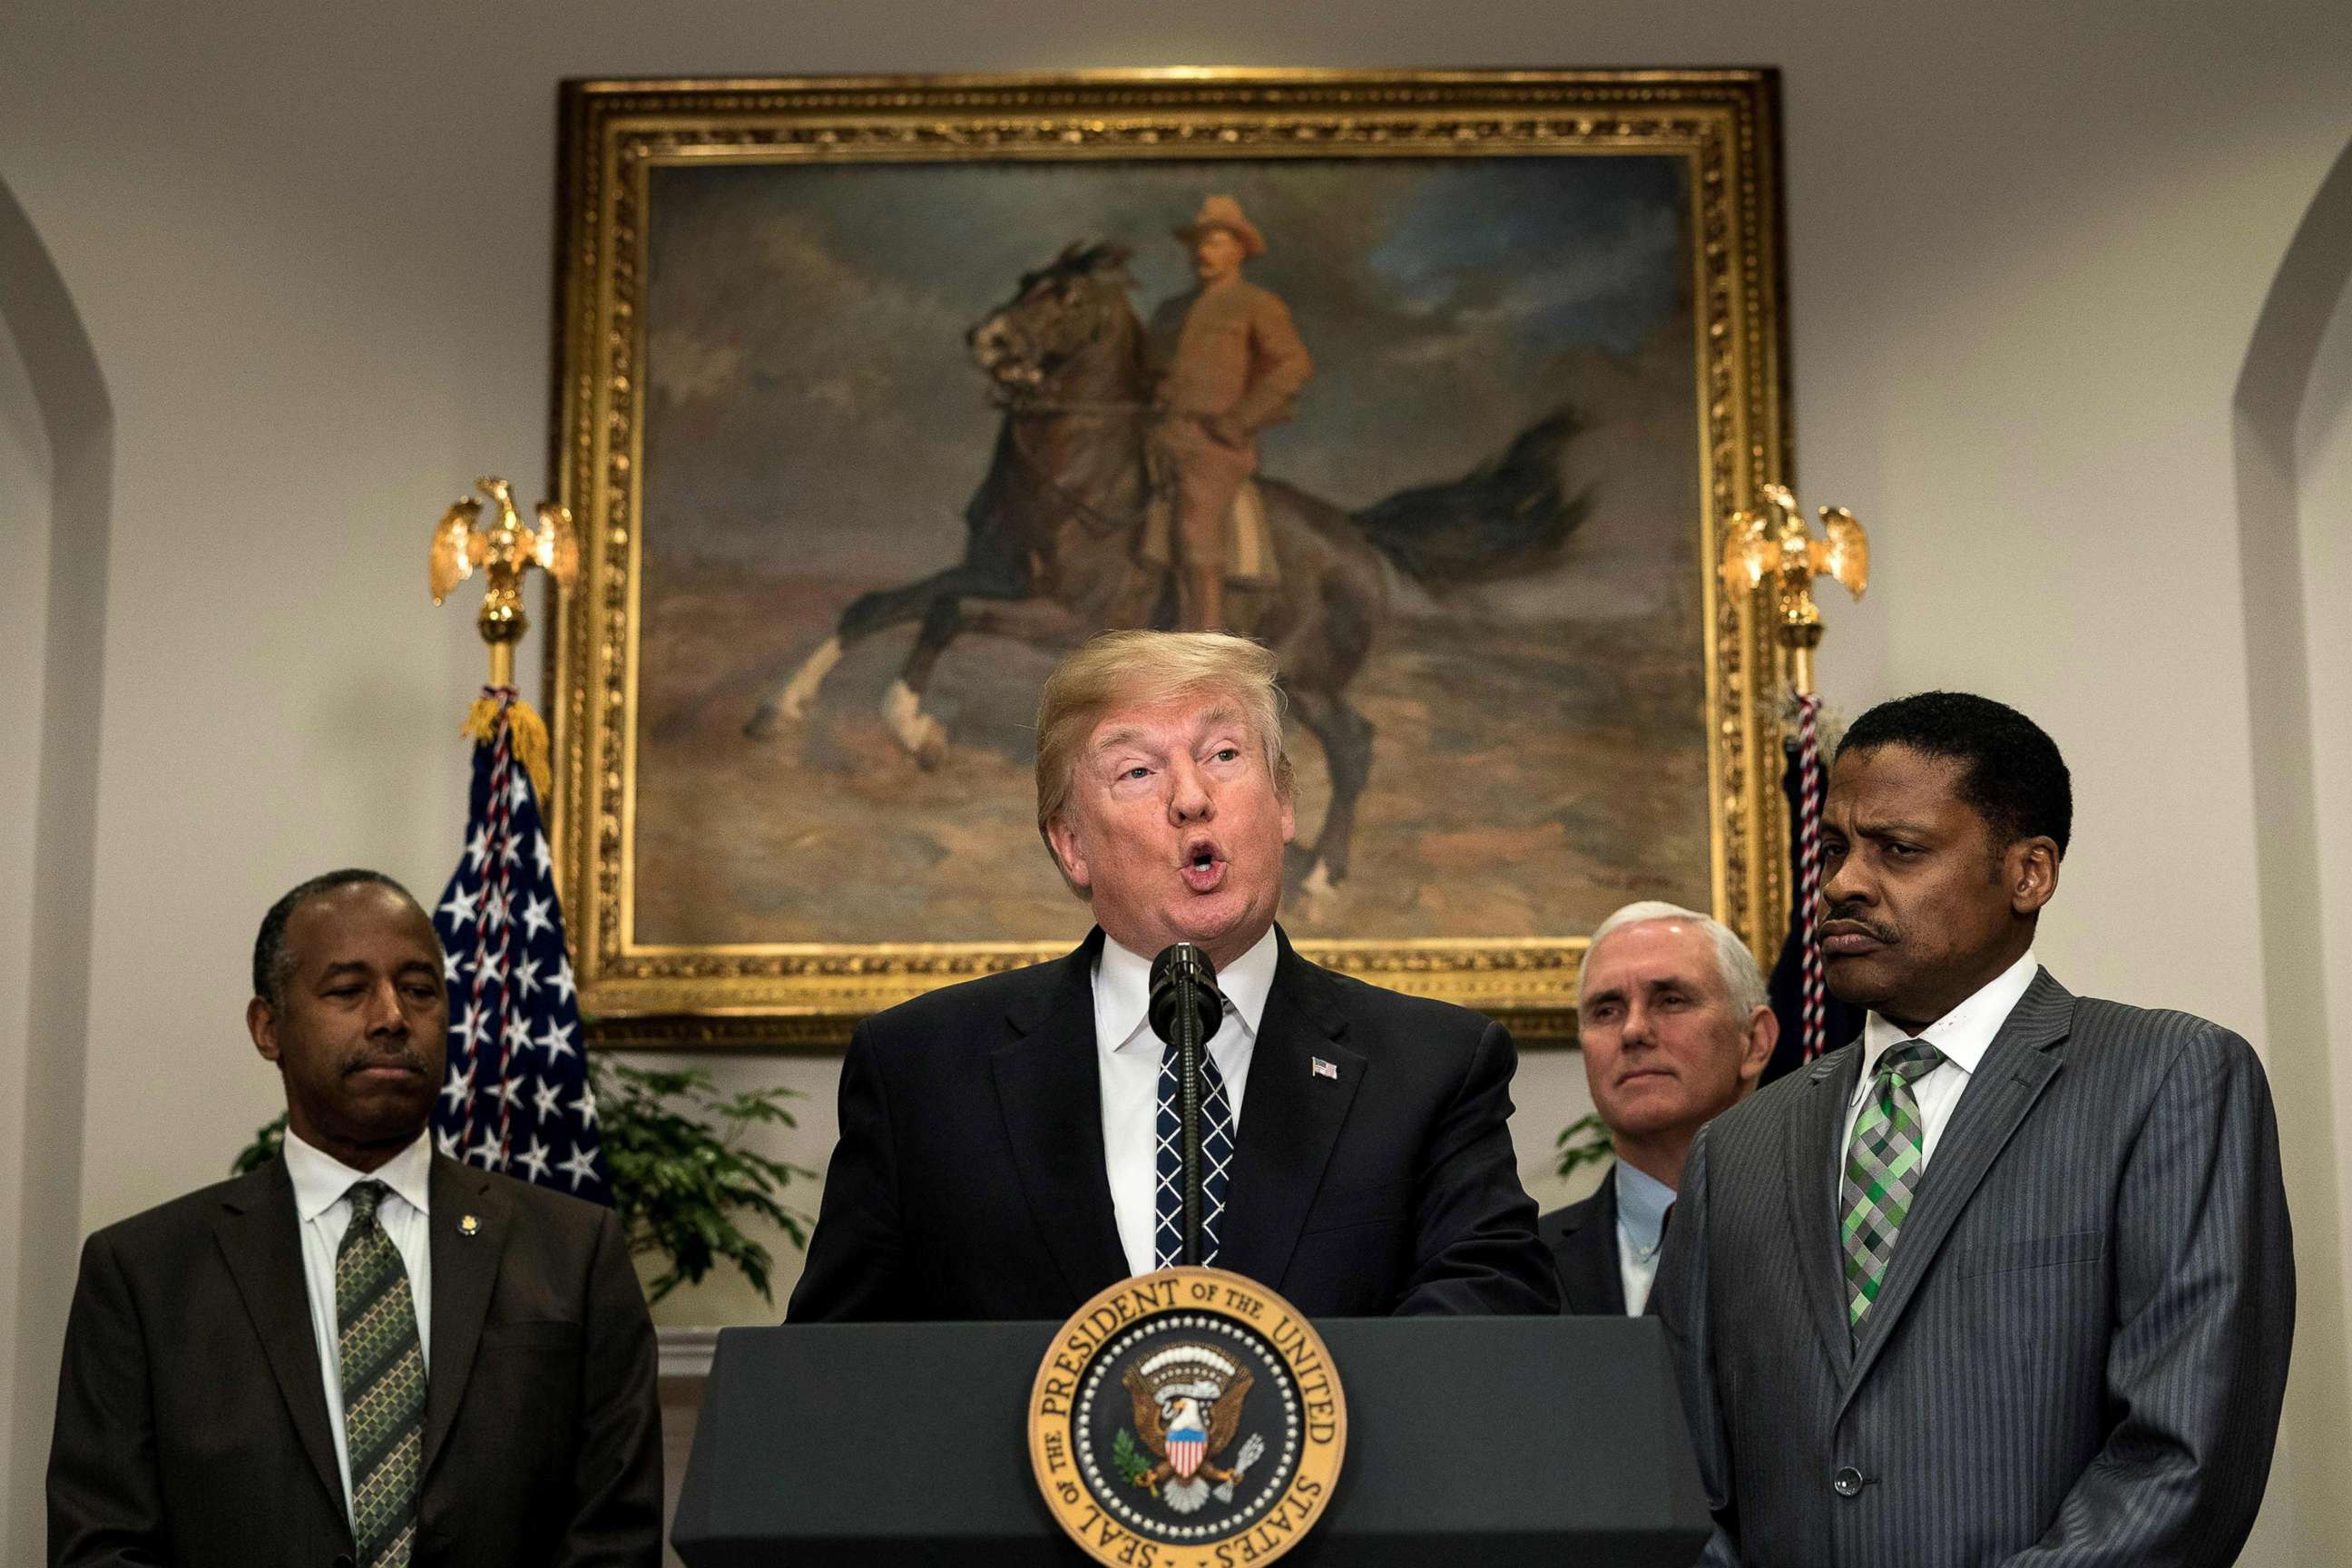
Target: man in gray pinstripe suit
{"x":2008,"y":1279}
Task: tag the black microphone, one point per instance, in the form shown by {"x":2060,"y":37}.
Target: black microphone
{"x":1183,"y":974}
{"x":1184,"y":1010}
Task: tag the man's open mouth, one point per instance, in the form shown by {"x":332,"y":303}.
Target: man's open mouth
{"x":1204,"y":866}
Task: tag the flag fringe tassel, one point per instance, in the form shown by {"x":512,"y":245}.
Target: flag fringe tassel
{"x":531,"y":743}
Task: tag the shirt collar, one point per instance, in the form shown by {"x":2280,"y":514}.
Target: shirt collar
{"x":321,"y":1180}
{"x":1642,"y":1203}
{"x":1123,"y":990}
{"x":1965,"y":1033}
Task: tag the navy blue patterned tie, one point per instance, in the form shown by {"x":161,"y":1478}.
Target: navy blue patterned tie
{"x":1216,"y":1160}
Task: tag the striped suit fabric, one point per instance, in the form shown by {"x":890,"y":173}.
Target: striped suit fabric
{"x":2080,"y":1349}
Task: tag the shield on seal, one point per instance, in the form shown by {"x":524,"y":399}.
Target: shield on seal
{"x":1187,"y":1446}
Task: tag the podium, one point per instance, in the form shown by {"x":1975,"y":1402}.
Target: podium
{"x":1483,"y":1442}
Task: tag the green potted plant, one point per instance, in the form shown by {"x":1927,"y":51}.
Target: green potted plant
{"x":682,"y":1181}
{"x":1583,"y":1142}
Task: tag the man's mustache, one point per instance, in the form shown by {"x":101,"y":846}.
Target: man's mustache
{"x":1878,"y":930}
{"x":410,"y":1061}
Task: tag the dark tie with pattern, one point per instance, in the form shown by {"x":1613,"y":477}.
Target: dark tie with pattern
{"x":1883,"y":1171}
{"x":1216,"y":1159}
{"x":382,"y":1362}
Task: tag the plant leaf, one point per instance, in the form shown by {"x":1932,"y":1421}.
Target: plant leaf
{"x":1583,"y":1142}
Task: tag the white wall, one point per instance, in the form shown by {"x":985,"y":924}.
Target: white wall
{"x":2324,"y":454}
{"x":24,"y":572}
{"x":2028,"y":248}
{"x":58,"y":474}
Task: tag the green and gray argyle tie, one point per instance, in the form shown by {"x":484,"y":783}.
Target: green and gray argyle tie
{"x":1882,"y":1172}
{"x":382,"y":1364}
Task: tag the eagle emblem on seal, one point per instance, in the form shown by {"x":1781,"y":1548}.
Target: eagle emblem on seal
{"x":1188,"y":1407}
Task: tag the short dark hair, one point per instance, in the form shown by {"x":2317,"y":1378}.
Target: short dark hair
{"x":2011,"y":773}
{"x":272,"y":965}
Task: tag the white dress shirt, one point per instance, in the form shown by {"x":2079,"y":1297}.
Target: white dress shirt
{"x":320,"y":1184}
{"x":1963,"y":1035}
{"x":1642,"y":1201}
{"x":1129,"y":1053}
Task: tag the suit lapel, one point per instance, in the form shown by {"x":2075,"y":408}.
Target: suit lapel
{"x":1589,"y":1267}
{"x":465,"y":1268}
{"x":2010,"y":1078}
{"x":1812,"y":1134}
{"x":1291,"y":1117}
{"x":260,"y":1234}
{"x":1050,"y":1093}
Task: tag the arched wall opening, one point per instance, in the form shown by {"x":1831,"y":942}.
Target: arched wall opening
{"x":2293,"y":459}
{"x":62,"y":434}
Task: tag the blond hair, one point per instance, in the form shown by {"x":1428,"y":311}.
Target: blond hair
{"x":1140,"y":670}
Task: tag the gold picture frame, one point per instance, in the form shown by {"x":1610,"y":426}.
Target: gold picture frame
{"x":1718,"y":128}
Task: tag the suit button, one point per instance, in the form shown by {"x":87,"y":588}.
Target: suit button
{"x":1847,"y":1482}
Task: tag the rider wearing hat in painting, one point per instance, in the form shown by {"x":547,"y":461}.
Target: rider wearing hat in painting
{"x":1229,"y":363}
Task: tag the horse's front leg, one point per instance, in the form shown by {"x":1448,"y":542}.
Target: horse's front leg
{"x":788,"y":701}
{"x":924,"y":737}
{"x":1044,"y":622}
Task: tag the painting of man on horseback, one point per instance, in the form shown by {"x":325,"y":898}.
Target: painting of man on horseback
{"x":1060,"y":543}
{"x":906,"y":441}
{"x":1227,"y":363}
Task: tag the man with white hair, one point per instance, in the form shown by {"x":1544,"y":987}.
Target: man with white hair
{"x":1677,"y":1028}
{"x":1008,"y":1145}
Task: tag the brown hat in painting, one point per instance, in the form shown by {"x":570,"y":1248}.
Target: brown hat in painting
{"x":1225,"y":213}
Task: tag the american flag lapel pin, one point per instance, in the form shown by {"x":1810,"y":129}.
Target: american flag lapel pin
{"x":1322,"y":1069}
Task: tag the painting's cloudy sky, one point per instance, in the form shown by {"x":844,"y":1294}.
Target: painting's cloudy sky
{"x":809,"y":380}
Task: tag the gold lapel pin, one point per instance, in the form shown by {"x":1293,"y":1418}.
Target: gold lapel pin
{"x":468,"y":1225}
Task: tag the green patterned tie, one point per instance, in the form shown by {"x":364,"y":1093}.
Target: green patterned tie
{"x":384,"y":1385}
{"x":1882,"y":1171}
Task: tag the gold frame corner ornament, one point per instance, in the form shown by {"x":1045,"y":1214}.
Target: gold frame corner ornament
{"x":807,"y":996}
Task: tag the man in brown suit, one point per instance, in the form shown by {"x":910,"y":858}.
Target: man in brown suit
{"x":1229,"y":363}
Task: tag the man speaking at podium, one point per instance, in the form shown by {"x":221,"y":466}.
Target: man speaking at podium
{"x":1008,"y":1145}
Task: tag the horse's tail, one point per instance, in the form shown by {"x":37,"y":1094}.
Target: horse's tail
{"x":1504,"y":517}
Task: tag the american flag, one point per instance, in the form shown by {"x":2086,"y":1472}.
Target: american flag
{"x":517,"y":1098}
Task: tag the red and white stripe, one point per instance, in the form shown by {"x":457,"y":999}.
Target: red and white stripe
{"x":1808,"y":862}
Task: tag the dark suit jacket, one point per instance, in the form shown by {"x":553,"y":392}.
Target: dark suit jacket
{"x":1583,"y":1238}
{"x":2080,"y":1350}
{"x":970,"y":1183}
{"x":192,"y":1424}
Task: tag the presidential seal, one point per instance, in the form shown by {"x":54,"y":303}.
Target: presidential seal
{"x":1187,"y":1419}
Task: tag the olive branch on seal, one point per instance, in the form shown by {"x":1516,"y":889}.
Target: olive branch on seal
{"x":1126,"y":1457}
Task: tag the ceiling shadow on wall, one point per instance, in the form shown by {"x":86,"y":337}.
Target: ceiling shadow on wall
{"x":77,"y":417}
{"x":2310,"y":287}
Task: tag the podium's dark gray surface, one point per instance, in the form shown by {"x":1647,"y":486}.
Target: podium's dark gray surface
{"x":1491,"y":1441}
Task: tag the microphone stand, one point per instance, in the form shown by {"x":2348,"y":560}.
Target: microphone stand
{"x":1185,"y":999}
{"x":1187,"y":1092}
